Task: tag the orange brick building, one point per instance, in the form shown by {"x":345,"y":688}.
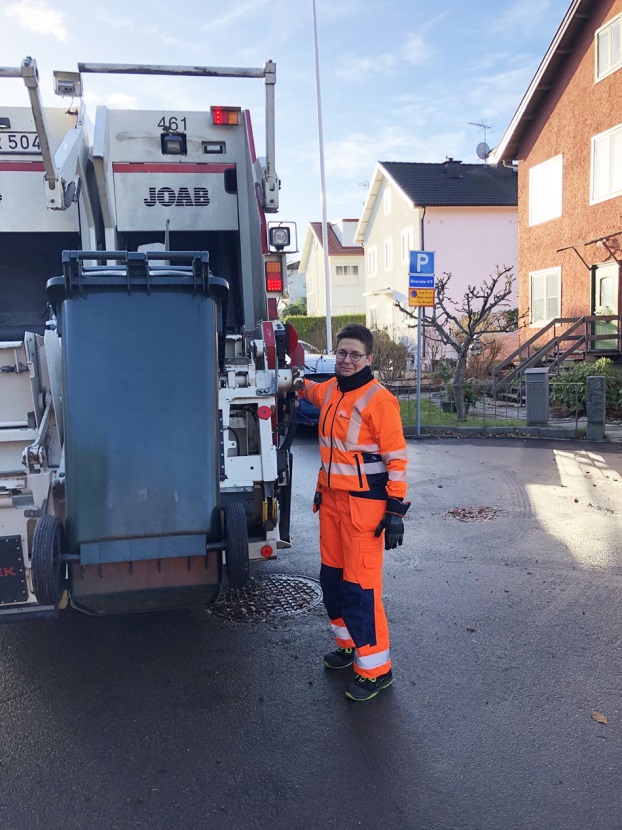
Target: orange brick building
{"x":566,"y":137}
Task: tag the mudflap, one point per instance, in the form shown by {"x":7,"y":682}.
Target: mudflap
{"x":13,"y":587}
{"x":14,"y":605}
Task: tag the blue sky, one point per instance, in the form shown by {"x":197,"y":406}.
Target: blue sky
{"x":400,"y":80}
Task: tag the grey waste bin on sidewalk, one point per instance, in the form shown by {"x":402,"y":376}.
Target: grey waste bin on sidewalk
{"x":537,"y":394}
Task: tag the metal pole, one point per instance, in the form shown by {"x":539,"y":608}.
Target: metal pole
{"x":419,"y":372}
{"x":329,"y":334}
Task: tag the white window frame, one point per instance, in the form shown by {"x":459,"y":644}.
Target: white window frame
{"x":388,"y":253}
{"x":546,"y":190}
{"x":347,"y":274}
{"x":407,"y":241}
{"x":614,"y":61}
{"x":373,"y":316}
{"x":552,"y":291}
{"x":386,"y":200}
{"x":604,"y":142}
{"x":372,"y":261}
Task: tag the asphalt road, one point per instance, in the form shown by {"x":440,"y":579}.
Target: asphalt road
{"x":506,"y":637}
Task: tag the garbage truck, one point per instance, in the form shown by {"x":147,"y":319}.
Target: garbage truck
{"x":146,"y":383}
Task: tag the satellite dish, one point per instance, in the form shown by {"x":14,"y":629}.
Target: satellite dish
{"x":482,"y":150}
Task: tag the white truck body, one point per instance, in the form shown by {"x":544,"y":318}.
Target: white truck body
{"x":150,"y":181}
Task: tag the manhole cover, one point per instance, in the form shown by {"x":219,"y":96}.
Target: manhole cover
{"x":473,"y":514}
{"x":269,"y":598}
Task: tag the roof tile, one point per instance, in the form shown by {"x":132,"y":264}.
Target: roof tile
{"x":480,"y":185}
{"x":335,"y":248}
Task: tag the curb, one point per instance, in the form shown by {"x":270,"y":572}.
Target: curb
{"x":556,"y":433}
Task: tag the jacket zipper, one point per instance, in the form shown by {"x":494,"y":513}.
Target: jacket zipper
{"x":358,"y":470}
{"x":325,"y":418}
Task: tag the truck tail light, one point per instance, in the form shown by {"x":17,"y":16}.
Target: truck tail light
{"x":226,"y":115}
{"x":274,"y":276}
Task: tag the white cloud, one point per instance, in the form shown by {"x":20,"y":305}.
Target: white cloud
{"x":117,"y":22}
{"x":245,"y":12}
{"x":38,"y":17}
{"x":414,"y":50}
{"x":523,"y":18}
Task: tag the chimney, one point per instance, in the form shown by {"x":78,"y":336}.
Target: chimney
{"x":452,"y":168}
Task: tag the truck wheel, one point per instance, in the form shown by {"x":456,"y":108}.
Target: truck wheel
{"x":48,"y":571}
{"x":236,"y":536}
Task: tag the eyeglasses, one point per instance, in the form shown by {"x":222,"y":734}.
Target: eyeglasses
{"x":341,"y":354}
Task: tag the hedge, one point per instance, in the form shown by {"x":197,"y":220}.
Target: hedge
{"x":313,"y":329}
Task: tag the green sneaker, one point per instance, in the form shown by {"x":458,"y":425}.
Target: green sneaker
{"x":341,"y":658}
{"x":364,"y":688}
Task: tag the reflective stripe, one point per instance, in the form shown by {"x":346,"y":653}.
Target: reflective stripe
{"x":374,"y":467}
{"x":394,"y":456}
{"x":341,"y":632}
{"x":397,"y":475}
{"x":341,"y":469}
{"x":356,"y":418}
{"x":372,"y":661}
{"x":338,"y":444}
{"x":311,"y":391}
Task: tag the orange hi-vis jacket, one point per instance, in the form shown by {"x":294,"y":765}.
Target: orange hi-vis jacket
{"x":362,"y":446}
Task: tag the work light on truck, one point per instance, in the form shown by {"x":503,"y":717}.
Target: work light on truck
{"x":174,"y":144}
{"x":274,"y":277}
{"x":279,"y":238}
{"x":229,"y":116}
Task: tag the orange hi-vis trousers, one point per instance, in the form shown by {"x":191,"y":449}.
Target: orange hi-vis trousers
{"x":351,"y":577}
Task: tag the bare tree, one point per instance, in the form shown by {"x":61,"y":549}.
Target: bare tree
{"x":460,"y":324}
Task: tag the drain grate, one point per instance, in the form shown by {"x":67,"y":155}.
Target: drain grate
{"x":269,"y":598}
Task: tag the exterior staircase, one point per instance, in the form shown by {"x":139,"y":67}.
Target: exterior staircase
{"x":563,"y":340}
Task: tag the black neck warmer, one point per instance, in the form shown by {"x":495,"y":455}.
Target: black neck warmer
{"x":355,"y":381}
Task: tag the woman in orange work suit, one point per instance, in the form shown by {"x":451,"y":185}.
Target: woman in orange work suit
{"x":360,"y":498}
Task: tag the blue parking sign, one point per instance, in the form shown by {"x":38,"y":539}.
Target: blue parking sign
{"x":421,"y":262}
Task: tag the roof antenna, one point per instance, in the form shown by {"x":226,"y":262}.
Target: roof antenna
{"x":482,"y":149}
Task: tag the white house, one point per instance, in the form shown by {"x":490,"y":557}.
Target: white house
{"x":346,"y":263}
{"x":466,"y":213}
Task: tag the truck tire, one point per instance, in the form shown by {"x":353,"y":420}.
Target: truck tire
{"x":48,"y":570}
{"x":236,"y":536}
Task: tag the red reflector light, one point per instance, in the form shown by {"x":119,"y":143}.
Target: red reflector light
{"x":274,"y":276}
{"x":266,"y":551}
{"x":264,"y":412}
{"x":226,"y":115}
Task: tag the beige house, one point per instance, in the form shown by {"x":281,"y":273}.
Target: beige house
{"x":466,"y":213}
{"x":346,"y":263}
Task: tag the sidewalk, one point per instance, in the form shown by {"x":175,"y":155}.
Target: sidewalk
{"x":559,"y":430}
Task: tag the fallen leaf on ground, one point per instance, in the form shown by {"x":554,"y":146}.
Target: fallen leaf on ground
{"x":473,"y":514}
{"x":599,"y":717}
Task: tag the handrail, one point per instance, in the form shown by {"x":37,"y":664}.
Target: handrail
{"x":584,"y":339}
{"x":527,"y":343}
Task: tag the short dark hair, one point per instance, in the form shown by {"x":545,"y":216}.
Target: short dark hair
{"x":357,"y":331}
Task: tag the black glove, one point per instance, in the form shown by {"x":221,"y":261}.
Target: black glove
{"x":393,"y":523}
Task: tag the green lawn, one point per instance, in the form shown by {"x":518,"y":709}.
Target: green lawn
{"x":431,"y":415}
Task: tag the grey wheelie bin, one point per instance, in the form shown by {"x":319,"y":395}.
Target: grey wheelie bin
{"x":142,"y":529}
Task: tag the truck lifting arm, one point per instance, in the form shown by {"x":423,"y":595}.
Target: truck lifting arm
{"x":59,"y":192}
{"x":270,"y":183}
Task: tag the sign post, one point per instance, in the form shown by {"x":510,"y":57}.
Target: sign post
{"x":421,"y":291}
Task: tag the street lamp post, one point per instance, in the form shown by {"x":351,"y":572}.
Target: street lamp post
{"x":329,"y":335}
